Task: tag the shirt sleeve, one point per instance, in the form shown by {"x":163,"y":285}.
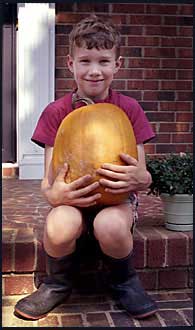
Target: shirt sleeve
{"x":47,"y":127}
{"x":142,"y":128}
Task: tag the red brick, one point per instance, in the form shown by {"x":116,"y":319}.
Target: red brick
{"x":150,"y":106}
{"x":7,"y":257}
{"x":161,"y":96}
{"x":50,"y":320}
{"x":150,"y":148}
{"x":175,"y":106}
{"x":186,"y":52}
{"x":178,"y":20}
{"x":97,"y":319}
{"x":173,"y":85}
{"x":185,"y":96}
{"x":151,"y":322}
{"x":60,"y":61}
{"x":177,"y":42}
{"x":184,"y":117}
{"x":128,"y":8}
{"x":185,"y":9}
{"x":139,"y":257}
{"x":180,"y":138}
{"x":63,"y":17}
{"x":159,"y":74}
{"x":190,"y":278}
{"x":145,"y":19}
{"x":61,"y":50}
{"x":122,"y":319}
{"x":164,"y":138}
{"x":173,"y":279}
{"x":93,"y":6}
{"x":160,"y":116}
{"x":161,"y":8}
{"x":148,"y":279}
{"x":130,"y":74}
{"x":64,"y":83}
{"x":21,"y":284}
{"x":177,"y":63}
{"x":24,"y":257}
{"x":159,"y":52}
{"x":174,"y":148}
{"x":143,"y":41}
{"x":156,"y":250}
{"x":185,"y":31}
{"x":131,"y":30}
{"x":185,"y":74}
{"x":160,"y":30}
{"x":144,"y":63}
{"x":61,"y":40}
{"x":172,"y":318}
{"x":142,"y":84}
{"x":174,"y":127}
{"x":130,"y":51}
{"x":176,"y":249}
{"x":118,"y":84}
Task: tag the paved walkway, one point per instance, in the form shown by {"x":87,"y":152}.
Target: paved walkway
{"x":24,"y":207}
{"x":175,"y":309}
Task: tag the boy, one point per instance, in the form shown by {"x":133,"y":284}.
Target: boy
{"x":93,"y":59}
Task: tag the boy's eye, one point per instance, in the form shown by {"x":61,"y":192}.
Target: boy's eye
{"x":84,"y":61}
{"x":104,"y":61}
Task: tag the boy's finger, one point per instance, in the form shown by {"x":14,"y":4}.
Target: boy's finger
{"x":128,"y":159}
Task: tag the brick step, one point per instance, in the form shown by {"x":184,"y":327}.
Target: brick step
{"x":162,"y":258}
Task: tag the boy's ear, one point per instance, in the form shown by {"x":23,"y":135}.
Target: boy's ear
{"x":119,"y":62}
{"x":70,"y":62}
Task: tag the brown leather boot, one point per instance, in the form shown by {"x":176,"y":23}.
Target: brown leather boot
{"x":56,"y":288}
{"x":127,"y":288}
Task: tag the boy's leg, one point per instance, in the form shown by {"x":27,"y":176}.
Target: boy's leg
{"x":112,"y":228}
{"x":63,"y":227}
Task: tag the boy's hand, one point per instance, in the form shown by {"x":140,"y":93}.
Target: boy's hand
{"x":124,"y":178}
{"x":73,"y":193}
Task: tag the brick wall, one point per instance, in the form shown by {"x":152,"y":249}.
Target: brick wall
{"x":157,"y":70}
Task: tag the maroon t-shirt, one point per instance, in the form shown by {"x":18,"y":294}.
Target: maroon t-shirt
{"x":55,"y":112}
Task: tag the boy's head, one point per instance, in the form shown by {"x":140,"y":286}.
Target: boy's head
{"x":94,"y":32}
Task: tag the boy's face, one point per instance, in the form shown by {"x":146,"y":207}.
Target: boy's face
{"x":93,"y":71}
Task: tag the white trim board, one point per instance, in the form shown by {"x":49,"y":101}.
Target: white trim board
{"x":35,"y":80}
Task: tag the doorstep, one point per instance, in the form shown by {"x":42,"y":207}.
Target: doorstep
{"x":10,"y":170}
{"x":162,"y":258}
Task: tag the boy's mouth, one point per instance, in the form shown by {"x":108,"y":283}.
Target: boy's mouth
{"x":94,"y":81}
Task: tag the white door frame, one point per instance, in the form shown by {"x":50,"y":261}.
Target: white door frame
{"x":35,"y":80}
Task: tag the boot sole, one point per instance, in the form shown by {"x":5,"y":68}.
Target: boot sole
{"x":27,"y":316}
{"x":144,"y":315}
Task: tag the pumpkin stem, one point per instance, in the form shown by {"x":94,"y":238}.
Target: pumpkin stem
{"x":85,"y":100}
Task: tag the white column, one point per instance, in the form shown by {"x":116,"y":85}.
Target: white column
{"x":35,"y":80}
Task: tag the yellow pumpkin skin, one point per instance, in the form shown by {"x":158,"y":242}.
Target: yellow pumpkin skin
{"x":90,"y":136}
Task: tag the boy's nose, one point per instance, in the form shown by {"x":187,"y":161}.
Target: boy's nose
{"x":95,"y":71}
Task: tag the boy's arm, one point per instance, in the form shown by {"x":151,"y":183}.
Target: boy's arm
{"x":133,"y":177}
{"x":47,"y":180}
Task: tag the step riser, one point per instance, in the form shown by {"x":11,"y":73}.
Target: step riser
{"x":161,"y":263}
{"x":156,"y":279}
{"x":10,"y":172}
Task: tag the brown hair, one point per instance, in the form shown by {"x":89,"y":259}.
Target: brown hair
{"x":94,"y":32}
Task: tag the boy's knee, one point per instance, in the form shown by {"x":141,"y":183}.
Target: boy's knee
{"x":64,"y":223}
{"x":110,"y":226}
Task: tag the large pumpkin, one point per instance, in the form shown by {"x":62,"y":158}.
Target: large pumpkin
{"x":90,"y":136}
